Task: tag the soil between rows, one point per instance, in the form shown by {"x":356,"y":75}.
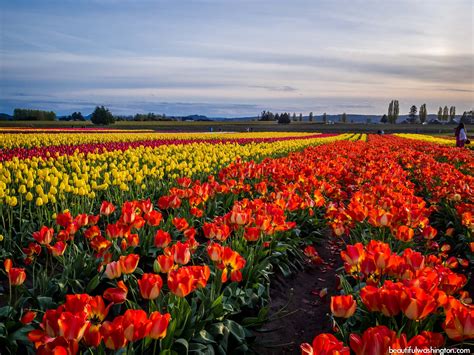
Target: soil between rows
{"x":306,"y":313}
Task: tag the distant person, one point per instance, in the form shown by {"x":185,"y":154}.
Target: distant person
{"x":461,"y":136}
{"x":211,"y":129}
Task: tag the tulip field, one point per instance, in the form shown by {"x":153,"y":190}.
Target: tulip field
{"x":139,"y":242}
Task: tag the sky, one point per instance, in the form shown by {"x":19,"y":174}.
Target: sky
{"x":231,"y":58}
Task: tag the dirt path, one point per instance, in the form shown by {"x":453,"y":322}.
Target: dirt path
{"x":307,"y":314}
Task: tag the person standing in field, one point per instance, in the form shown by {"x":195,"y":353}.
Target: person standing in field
{"x":461,"y":136}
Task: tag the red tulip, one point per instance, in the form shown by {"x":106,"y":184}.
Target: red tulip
{"x":113,"y":334}
{"x":162,"y":239}
{"x":153,"y":218}
{"x":44,"y":236}
{"x":252,"y":234}
{"x":28,"y":317}
{"x":325,"y":344}
{"x":106,"y":208}
{"x":118,"y":294}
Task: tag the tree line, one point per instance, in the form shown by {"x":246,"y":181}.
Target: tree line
{"x":23,"y":114}
{"x":420,"y":116}
{"x":286,"y":117}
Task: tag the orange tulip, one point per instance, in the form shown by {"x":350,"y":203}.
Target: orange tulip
{"x":150,"y":286}
{"x":459,"y":323}
{"x":343,"y":306}
{"x":163,"y":263}
{"x":215,"y":251}
{"x":16,"y":275}
{"x":181,"y":253}
{"x":181,"y":281}
{"x":129,"y":263}
{"x":232,"y":262}
{"x":113,"y":270}
{"x":180,"y":223}
{"x":416,"y":303}
{"x":405,"y":233}
{"x":136,"y":324}
{"x":159,"y":325}
{"x":57,"y":249}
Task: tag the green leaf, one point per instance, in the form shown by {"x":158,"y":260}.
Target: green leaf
{"x":6,"y":311}
{"x":93,"y":283}
{"x":181,"y":345}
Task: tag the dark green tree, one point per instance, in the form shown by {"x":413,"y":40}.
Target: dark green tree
{"x":440,"y":114}
{"x":310,"y":117}
{"x":325,"y":118}
{"x":284,"y":118}
{"x":300,"y":117}
{"x":445,"y":114}
{"x":384,"y":119}
{"x":393,"y":111}
{"x":452,"y":113}
{"x":102,"y":116}
{"x":344,"y":118}
{"x":412,"y":114}
{"x":77,"y":116}
{"x":423,"y":113}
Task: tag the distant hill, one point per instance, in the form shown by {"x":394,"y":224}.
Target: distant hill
{"x":5,"y":117}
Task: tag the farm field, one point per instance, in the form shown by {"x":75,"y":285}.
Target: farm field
{"x":150,"y":242}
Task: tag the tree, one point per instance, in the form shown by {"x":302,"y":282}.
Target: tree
{"x":390,"y":112}
{"x":310,"y":117}
{"x":393,"y":111}
{"x":284,"y":118}
{"x":267,"y":116}
{"x":452,"y":113}
{"x":412,"y":114}
{"x":396,"y":111}
{"x":101,"y":115}
{"x":467,"y":117}
{"x":384,"y":119}
{"x":344,"y":118}
{"x":294,"y":117}
{"x":300,"y":117}
{"x":77,"y":116}
{"x":423,"y":113}
{"x":445,"y":113}
{"x":440,"y":114}
{"x":325,"y":118}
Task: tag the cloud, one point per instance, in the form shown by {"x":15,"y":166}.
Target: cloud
{"x":275,"y":88}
